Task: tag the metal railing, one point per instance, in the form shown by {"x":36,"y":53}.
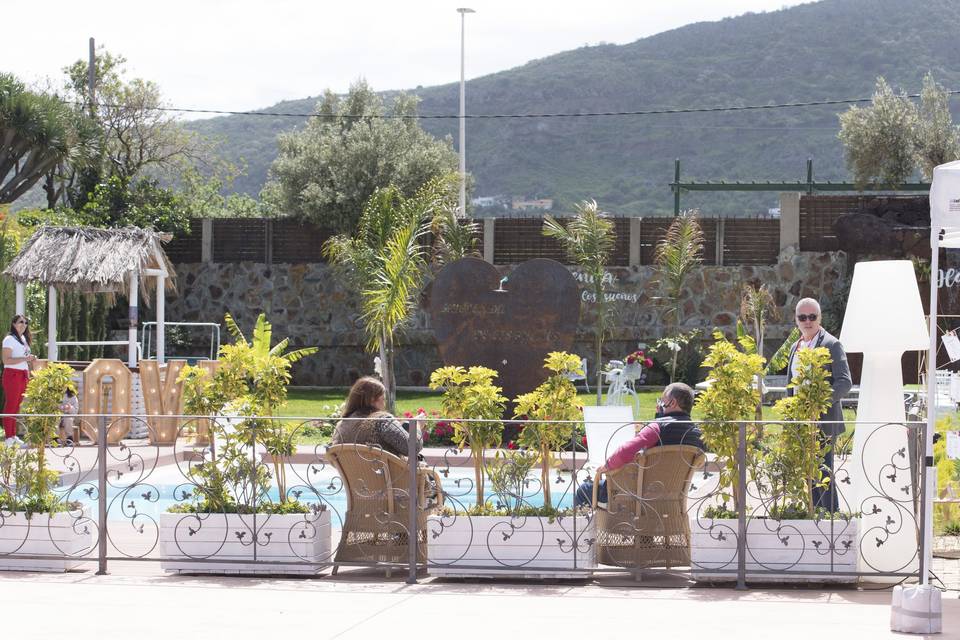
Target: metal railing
{"x":269,"y":495}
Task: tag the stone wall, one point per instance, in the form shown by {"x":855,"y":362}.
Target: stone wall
{"x":306,"y":303}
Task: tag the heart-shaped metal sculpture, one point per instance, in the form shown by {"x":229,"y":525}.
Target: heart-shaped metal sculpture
{"x":509,"y":327}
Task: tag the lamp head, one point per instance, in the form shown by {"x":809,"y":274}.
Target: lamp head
{"x":465,"y":10}
{"x":884,"y":312}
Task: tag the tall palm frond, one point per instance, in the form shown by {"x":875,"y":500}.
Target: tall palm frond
{"x":678,"y":254}
{"x":388,"y":300}
{"x":456,"y":237}
{"x":262,"y":334}
{"x":588,"y":238}
{"x":233,"y":328}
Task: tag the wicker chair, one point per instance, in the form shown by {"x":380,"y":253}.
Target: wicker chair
{"x":376,"y":525}
{"x":645,"y":523}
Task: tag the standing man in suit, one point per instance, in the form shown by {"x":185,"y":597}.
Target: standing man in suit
{"x":812,"y":335}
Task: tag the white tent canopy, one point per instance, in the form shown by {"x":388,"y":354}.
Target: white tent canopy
{"x":944,"y":233}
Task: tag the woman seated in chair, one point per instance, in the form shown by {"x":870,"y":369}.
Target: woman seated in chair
{"x":365,"y":420}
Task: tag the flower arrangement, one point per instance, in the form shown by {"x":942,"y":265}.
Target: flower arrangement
{"x":640,"y":358}
{"x":436,"y":432}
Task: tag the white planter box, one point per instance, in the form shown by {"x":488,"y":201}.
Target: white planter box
{"x":188,"y":542}
{"x":524,"y":547}
{"x":791,"y":546}
{"x":67,"y":538}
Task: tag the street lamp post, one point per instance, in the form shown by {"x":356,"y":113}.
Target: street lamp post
{"x":463,"y":11}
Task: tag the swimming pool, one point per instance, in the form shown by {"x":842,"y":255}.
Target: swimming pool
{"x":151,"y":494}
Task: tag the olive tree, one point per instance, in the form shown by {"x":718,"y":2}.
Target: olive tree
{"x":327,"y":172}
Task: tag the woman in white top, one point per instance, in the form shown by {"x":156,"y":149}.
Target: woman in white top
{"x":16,"y":368}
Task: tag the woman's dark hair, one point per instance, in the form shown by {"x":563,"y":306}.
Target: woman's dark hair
{"x":26,"y":331}
{"x":363,"y":394}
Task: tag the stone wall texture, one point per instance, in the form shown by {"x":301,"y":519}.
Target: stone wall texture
{"x":306,"y":303}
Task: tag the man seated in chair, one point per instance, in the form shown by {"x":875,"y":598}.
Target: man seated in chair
{"x":671,"y":425}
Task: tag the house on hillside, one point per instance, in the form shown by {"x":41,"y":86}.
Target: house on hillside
{"x":539,"y":204}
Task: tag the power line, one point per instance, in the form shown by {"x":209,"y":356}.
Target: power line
{"x":505,"y":116}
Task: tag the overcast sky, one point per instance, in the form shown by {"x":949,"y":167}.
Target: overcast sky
{"x":249,"y":54}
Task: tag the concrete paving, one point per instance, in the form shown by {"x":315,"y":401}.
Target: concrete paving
{"x":137,"y":602}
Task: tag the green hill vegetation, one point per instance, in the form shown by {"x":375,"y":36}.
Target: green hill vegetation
{"x":819,"y":51}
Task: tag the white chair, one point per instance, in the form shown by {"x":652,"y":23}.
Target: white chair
{"x":573,"y":377}
{"x":607,"y":428}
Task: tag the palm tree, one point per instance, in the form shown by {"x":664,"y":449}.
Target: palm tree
{"x":677,"y":255}
{"x":588,"y":240}
{"x":263,"y":377}
{"x":36,"y":134}
{"x":387,"y":264}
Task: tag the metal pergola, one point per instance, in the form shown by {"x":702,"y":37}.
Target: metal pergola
{"x":808,"y":186}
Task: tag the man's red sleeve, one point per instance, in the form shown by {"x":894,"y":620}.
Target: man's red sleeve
{"x":649,"y":436}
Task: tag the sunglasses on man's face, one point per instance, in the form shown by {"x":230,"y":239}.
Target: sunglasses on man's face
{"x":804,"y":317}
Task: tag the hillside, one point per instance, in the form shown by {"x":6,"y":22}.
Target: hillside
{"x":826,"y":50}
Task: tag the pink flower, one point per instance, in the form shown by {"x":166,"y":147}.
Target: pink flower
{"x":648,"y":363}
{"x":407,"y":414}
{"x":511,"y":445}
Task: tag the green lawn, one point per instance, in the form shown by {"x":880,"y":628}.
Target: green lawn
{"x":310,"y":403}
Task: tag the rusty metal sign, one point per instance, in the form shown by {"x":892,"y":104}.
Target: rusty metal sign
{"x":511,"y":330}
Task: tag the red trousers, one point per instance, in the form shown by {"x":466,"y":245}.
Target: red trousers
{"x":14,"y":384}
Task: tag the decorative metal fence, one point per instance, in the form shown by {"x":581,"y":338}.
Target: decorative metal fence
{"x":269,"y":495}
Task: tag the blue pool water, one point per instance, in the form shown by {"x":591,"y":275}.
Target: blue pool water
{"x":152,"y":494}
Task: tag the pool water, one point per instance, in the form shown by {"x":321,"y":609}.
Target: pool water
{"x":154,"y":493}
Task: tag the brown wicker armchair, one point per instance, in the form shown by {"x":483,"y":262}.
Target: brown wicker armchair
{"x":377,"y":521}
{"x":645,"y":523}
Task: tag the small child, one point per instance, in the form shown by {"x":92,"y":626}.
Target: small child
{"x":69,"y":407}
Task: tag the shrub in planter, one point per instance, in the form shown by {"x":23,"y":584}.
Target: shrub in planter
{"x":250,"y":382}
{"x":729,"y":400}
{"x":469,"y":394}
{"x":26,"y":481}
{"x":554,"y":405}
{"x":798,"y":452}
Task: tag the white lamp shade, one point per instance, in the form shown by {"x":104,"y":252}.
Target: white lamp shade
{"x":884,"y":312}
{"x":945,"y":203}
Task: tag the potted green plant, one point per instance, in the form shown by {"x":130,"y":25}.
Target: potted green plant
{"x":553,"y":409}
{"x":232,"y":485}
{"x":36,"y":520}
{"x":477,"y":405}
{"x":512,"y":537}
{"x":785,"y":533}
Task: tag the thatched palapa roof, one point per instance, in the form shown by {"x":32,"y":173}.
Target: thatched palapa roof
{"x":92,"y":260}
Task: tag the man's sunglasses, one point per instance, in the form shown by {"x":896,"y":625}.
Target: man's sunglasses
{"x":804,"y":317}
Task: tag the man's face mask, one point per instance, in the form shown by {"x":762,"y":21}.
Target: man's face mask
{"x":660,"y":407}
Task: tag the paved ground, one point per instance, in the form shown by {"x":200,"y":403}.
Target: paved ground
{"x":138,"y":602}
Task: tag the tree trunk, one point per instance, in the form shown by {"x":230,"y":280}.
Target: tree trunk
{"x":478,"y":472}
{"x":545,"y":476}
{"x":599,"y":366}
{"x":386,"y":367}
